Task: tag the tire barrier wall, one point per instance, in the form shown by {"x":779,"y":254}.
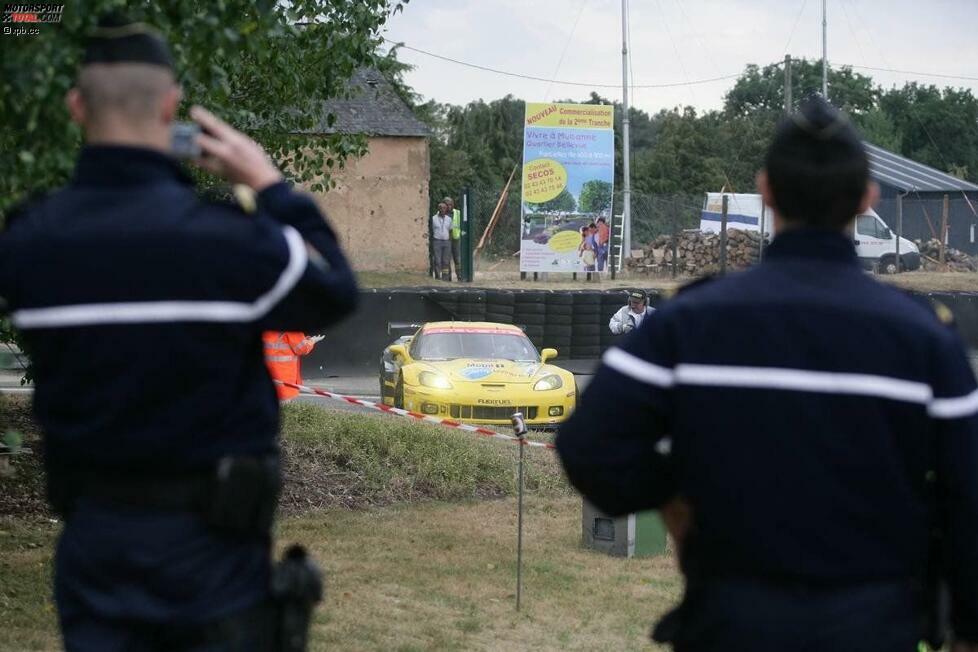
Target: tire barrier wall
{"x":573,"y":322}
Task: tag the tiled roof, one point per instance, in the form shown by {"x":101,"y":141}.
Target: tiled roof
{"x":373,"y":108}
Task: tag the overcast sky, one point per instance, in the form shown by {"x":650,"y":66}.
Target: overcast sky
{"x":673,"y":41}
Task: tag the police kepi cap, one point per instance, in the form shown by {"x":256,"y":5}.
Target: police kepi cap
{"x":119,"y":40}
{"x":820,"y":120}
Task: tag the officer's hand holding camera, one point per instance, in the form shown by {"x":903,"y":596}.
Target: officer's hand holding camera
{"x":232,"y":155}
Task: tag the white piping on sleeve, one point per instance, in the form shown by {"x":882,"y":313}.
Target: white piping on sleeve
{"x":954,"y":408}
{"x":799,"y":380}
{"x":639,"y":369}
{"x":146,"y":312}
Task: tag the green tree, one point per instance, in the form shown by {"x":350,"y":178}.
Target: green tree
{"x":266,"y":67}
{"x":562,"y":202}
{"x":595,"y":196}
{"x":878,"y":128}
{"x":938,"y":127}
{"x":762,"y":89}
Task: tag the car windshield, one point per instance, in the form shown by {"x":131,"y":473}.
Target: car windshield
{"x":450,"y":345}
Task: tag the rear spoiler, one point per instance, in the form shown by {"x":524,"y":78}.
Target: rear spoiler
{"x":402,"y":327}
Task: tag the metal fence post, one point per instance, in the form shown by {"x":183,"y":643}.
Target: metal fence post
{"x":899,"y":229}
{"x":431,"y":249}
{"x":519,"y":430}
{"x":611,"y":244}
{"x":723,"y":237}
{"x":760,"y":244}
{"x":468,"y":224}
{"x":675,"y":237}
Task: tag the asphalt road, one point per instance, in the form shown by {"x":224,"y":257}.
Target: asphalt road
{"x":359,"y":386}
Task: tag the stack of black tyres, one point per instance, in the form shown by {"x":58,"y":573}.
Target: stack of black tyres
{"x":530,"y":313}
{"x":447,"y":299}
{"x":611,"y":302}
{"x":499,"y":306}
{"x":559,"y":326}
{"x":472,"y":305}
{"x":586,"y":322}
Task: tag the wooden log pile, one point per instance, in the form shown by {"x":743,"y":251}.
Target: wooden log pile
{"x":955,"y":259}
{"x":697,"y":253}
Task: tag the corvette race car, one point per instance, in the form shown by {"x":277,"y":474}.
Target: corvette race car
{"x":477,"y":372}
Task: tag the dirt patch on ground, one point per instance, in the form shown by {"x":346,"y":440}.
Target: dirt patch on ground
{"x":314,"y":479}
{"x":22,"y":490}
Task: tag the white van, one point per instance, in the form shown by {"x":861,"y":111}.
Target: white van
{"x":875,"y":243}
{"x":876,"y":246}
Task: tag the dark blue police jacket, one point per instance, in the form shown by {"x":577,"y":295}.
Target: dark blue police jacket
{"x":143,"y":307}
{"x":796,"y":406}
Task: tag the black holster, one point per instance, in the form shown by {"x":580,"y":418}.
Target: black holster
{"x":297,"y":586}
{"x":244,"y":496}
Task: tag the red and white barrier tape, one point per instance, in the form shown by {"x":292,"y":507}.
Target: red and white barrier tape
{"x":381,"y":407}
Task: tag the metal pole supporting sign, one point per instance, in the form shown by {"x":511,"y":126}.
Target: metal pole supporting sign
{"x":519,"y":431}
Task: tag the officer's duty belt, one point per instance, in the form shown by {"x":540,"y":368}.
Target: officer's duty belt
{"x":238,"y":497}
{"x":182,"y":492}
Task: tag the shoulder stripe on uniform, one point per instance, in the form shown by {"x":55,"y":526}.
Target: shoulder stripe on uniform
{"x":804,"y":380}
{"x":145,"y":312}
{"x":638,"y":368}
{"x":954,"y":408}
{"x":800,"y":380}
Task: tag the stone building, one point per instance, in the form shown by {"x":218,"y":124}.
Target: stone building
{"x":380,"y":205}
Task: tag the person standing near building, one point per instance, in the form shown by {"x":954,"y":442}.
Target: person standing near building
{"x":143,"y":308}
{"x":282,"y":353}
{"x":441,"y":247}
{"x":811,"y":434}
{"x":456,"y":237}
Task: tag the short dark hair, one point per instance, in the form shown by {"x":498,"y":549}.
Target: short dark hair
{"x":817,"y":167}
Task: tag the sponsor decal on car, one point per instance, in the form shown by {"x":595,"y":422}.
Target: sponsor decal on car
{"x":475,"y":372}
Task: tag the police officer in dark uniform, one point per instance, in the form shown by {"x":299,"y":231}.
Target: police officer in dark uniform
{"x":142,"y":307}
{"x":811,"y":434}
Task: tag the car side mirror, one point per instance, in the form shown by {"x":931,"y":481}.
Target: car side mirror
{"x":548,"y":354}
{"x":398,"y":350}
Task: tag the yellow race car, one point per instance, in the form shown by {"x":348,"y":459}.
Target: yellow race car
{"x":477,"y":372}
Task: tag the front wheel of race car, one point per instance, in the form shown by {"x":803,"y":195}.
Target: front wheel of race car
{"x":399,"y":393}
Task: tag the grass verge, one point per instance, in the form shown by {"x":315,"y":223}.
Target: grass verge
{"x":356,"y":460}
{"x":338,"y":459}
{"x":429,"y":576}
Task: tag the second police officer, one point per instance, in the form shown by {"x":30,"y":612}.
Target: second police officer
{"x":805,"y":429}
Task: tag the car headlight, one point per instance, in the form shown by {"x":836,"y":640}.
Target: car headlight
{"x":431,"y":379}
{"x":552,"y":381}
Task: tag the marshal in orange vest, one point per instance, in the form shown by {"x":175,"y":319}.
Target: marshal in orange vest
{"x":282,"y":352}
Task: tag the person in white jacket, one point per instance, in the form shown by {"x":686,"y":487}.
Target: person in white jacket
{"x":630,"y":317}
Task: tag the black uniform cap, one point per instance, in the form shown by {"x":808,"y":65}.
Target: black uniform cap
{"x":820,"y":121}
{"x":817,"y":166}
{"x":118,"y":40}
